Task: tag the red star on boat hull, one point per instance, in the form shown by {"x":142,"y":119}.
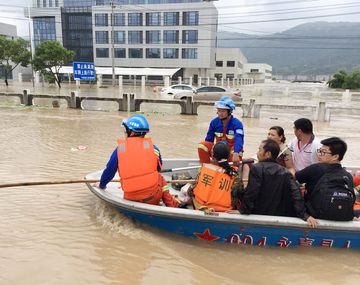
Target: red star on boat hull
{"x":206,"y":235}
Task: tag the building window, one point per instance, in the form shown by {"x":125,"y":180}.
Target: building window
{"x":254,"y":70}
{"x":50,"y":3}
{"x":120,"y":53}
{"x":171,"y":18}
{"x":190,"y":53}
{"x":101,"y":20}
{"x":56,"y":3}
{"x":135,"y":37}
{"x":119,"y":19}
{"x":170,"y":53}
{"x":219,"y":63}
{"x":230,"y":75}
{"x":230,"y":63}
{"x":101,"y":37}
{"x":153,"y":19}
{"x":119,"y":37}
{"x":152,"y":37}
{"x":171,"y":37}
{"x":191,"y":18}
{"x":135,"y":19}
{"x":152,"y":53}
{"x":189,"y":37}
{"x":135,"y":52}
{"x":44,"y":3}
{"x":102,"y":52}
{"x":218,"y":75}
{"x":44,"y":29}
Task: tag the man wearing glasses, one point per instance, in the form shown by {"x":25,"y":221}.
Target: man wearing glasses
{"x":329,"y":187}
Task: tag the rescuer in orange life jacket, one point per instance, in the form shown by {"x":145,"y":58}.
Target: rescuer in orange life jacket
{"x":225,"y":128}
{"x":217,"y":183}
{"x":138,"y":162}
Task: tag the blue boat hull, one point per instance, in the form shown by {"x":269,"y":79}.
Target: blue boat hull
{"x":258,"y":230}
{"x":243,"y":233}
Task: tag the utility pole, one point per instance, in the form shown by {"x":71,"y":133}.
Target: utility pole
{"x":31,"y":47}
{"x":112,"y":43}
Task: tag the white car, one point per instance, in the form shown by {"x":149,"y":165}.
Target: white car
{"x":211,"y":93}
{"x":177,"y":89}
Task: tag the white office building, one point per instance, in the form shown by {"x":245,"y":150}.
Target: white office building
{"x":132,"y":33}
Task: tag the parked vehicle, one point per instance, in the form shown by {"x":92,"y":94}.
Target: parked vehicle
{"x":177,"y":89}
{"x":210,"y":93}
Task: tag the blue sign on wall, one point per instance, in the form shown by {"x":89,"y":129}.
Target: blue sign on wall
{"x":84,"y":70}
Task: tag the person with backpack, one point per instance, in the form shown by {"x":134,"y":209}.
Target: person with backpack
{"x":329,"y":187}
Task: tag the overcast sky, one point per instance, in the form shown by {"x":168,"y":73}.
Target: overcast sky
{"x":245,"y":16}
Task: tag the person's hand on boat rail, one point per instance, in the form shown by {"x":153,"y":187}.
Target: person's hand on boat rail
{"x":312,"y":222}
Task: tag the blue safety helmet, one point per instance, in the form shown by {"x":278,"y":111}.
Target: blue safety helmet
{"x":137,"y":124}
{"x":225,"y":103}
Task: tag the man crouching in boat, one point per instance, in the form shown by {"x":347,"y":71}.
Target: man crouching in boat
{"x":215,"y":183}
{"x":138,"y":162}
{"x":271,"y":189}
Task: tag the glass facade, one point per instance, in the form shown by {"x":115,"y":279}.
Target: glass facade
{"x":78,"y":34}
{"x":77,"y":3}
{"x":153,"y":19}
{"x":135,"y":2}
{"x":191,"y":18}
{"x":119,"y":19}
{"x":170,"y":53}
{"x":190,"y":37}
{"x":171,"y":18}
{"x":171,"y":37}
{"x":101,"y":37}
{"x":135,"y":19}
{"x":119,"y":37}
{"x":152,"y":53}
{"x":101,"y":20}
{"x":102,"y":52}
{"x":120,"y":52}
{"x":135,"y":37}
{"x":189,"y":53}
{"x":135,"y":52}
{"x":44,"y":29}
{"x":152,"y":37}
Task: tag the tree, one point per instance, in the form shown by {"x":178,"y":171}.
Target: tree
{"x":338,"y":80}
{"x":49,"y":57}
{"x":13,"y":53}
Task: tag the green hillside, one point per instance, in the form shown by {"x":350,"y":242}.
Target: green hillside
{"x":310,"y":49}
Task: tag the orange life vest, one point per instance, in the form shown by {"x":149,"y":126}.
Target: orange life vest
{"x":137,"y":166}
{"x":225,"y":137}
{"x":214,"y":188}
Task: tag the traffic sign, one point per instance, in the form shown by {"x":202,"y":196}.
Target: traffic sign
{"x":84,"y":70}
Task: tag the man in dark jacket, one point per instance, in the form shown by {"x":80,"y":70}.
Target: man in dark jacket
{"x":271,"y":190}
{"x":331,"y":197}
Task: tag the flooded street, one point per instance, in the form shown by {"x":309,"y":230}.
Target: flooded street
{"x":63,"y":234}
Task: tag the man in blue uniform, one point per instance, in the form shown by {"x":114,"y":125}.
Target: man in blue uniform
{"x":224,"y":128}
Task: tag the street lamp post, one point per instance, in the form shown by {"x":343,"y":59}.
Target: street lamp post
{"x":112,"y":44}
{"x":31,"y":47}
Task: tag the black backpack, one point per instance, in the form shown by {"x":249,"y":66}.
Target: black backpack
{"x":333,"y":197}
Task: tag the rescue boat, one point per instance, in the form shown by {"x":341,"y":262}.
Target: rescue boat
{"x":258,"y":230}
